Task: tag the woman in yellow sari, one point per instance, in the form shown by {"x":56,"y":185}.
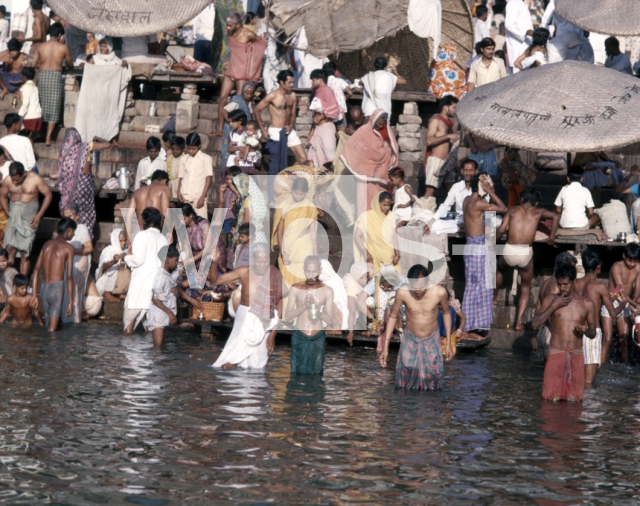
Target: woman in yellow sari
{"x":294,"y":230}
{"x":374,"y":238}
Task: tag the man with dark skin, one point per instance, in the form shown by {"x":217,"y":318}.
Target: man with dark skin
{"x":19,"y":304}
{"x":24,"y":188}
{"x":13,"y":58}
{"x":572,"y":318}
{"x":282,"y":103}
{"x":40,"y":27}
{"x":474,"y":208}
{"x":56,"y":262}
{"x":236,"y":31}
{"x":521,"y":223}
{"x":356,"y":119}
{"x":157,"y":194}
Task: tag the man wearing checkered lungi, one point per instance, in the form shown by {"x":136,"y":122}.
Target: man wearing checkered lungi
{"x":477,"y":303}
{"x":50,"y":56}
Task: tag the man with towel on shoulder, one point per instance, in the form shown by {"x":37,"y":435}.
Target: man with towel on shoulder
{"x":50,"y":56}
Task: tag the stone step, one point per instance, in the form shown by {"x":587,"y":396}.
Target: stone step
{"x":139,"y":123}
{"x":111,"y":155}
{"x":165,"y":109}
{"x":509,"y":339}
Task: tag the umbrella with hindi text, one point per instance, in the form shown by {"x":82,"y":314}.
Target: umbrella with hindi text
{"x":613,"y":17}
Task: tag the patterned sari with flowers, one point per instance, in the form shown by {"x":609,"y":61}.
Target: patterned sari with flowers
{"x":446,"y":78}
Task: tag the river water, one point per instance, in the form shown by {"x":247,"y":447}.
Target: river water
{"x":94,"y":417}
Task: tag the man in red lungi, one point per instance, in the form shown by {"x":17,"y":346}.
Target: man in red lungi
{"x":571,"y":318}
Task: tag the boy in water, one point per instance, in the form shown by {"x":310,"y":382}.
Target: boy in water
{"x":19,"y":304}
{"x":55,"y":259}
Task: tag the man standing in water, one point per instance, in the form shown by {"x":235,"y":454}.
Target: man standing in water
{"x":420,"y":364}
{"x":257,"y":316}
{"x":521,"y":223}
{"x":305,"y":302}
{"x":282,"y":111}
{"x":572,"y":318}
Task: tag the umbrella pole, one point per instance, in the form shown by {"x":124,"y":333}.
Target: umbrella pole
{"x":568,"y":162}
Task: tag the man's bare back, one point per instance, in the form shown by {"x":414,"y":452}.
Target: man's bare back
{"x":55,"y":254}
{"x":11,"y":65}
{"x":597,"y":292}
{"x":303,"y":294}
{"x":244,"y":36}
{"x":157,"y":195}
{"x":51,"y":54}
{"x":474,"y":208}
{"x":521,"y":224}
{"x":621,"y":274}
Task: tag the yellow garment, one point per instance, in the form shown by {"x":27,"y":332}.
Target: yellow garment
{"x":378,"y":230}
{"x":298,"y":218}
{"x":4,"y":219}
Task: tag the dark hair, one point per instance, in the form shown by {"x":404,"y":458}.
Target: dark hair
{"x":172,"y":252}
{"x":36,"y":4}
{"x":14,"y":45}
{"x":329,"y":68}
{"x":56,"y":30}
{"x":632,"y":251}
{"x":283,"y":75}
{"x":319,"y":74}
{"x":253,"y":123}
{"x":193,"y":139}
{"x":168,"y":135}
{"x":159,"y":175}
{"x":313,"y":258}
{"x":11,"y":119}
{"x":151,"y":218}
{"x":16,"y":169}
{"x":447,"y":101}
{"x":4,"y":252}
{"x":29,"y":73}
{"x":481,"y":10}
{"x":540,"y":37}
{"x":300,"y":184}
{"x":474,"y":183}
{"x":564,"y":258}
{"x":478,"y":47}
{"x":246,"y":229}
{"x":575,"y":173}
{"x":234,"y":170}
{"x":612,"y":41}
{"x":384,"y":196}
{"x":178,"y":141}
{"x":73,"y":207}
{"x":20,"y":280}
{"x":3,"y":10}
{"x":590,"y":260}
{"x":487,"y":42}
{"x":418,"y":271}
{"x":469,"y":161}
{"x":501,"y":55}
{"x":249,"y":17}
{"x":238,"y":115}
{"x":90,"y":58}
{"x":65,"y":224}
{"x":566,"y":271}
{"x":189,"y":211}
{"x":153,"y":143}
{"x":396,"y":172}
{"x":501,"y":27}
{"x":380,"y":63}
{"x":530,"y":196}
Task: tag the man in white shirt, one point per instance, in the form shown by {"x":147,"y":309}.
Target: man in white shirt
{"x":339,"y":87}
{"x":519,"y":30}
{"x":378,"y":87}
{"x":147,"y":166}
{"x":203,"y":28}
{"x":481,"y":26}
{"x":615,"y":58}
{"x":17,"y":146}
{"x":487,"y":69}
{"x":575,"y":204}
{"x":4,"y":28}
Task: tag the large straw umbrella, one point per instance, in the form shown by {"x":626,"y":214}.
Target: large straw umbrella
{"x":613,"y":17}
{"x":562,"y":107}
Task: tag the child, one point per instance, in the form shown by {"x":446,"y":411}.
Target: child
{"x":30,"y":110}
{"x":241,"y":259}
{"x":229,"y":195}
{"x":6,"y":276}
{"x":178,"y":145}
{"x":91,"y":47}
{"x":403,"y":197}
{"x":163,"y":302}
{"x":250,"y":155}
{"x":238,"y":122}
{"x":167,"y":144}
{"x":19,"y":304}
{"x":150,"y":164}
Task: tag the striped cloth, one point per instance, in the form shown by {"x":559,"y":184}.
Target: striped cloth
{"x":563,"y":375}
{"x":420,"y":365}
{"x":477,"y":303}
{"x":486,"y":161}
{"x":50,"y":90}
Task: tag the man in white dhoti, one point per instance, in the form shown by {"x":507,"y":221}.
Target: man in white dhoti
{"x":253,"y":337}
{"x":305,"y":62}
{"x":519,"y":30}
{"x":145,"y":264}
{"x":378,"y":87}
{"x":616,"y":60}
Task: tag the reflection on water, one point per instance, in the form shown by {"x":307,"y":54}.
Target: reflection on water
{"x":93,"y":417}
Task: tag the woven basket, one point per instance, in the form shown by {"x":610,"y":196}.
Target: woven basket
{"x":213,"y":311}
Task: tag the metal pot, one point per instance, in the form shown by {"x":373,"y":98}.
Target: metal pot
{"x":123,"y":178}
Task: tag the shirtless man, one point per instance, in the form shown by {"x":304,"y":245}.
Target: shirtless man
{"x":55,"y":258}
{"x":13,"y":59}
{"x":439,"y":139}
{"x":355,"y":120}
{"x":421,"y":335}
{"x":572,"y":318}
{"x":282,"y":104}
{"x":598,"y":292}
{"x":622,"y":274}
{"x":23,"y":213}
{"x":50,"y":56}
{"x":310,"y":304}
{"x":157,"y":194}
{"x":521,"y":223}
{"x":19,"y":304}
{"x":40,"y":27}
{"x":247,"y":346}
{"x":237,"y":32}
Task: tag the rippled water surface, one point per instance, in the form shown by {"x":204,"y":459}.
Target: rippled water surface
{"x":93,"y":417}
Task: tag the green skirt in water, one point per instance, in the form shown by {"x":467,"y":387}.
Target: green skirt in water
{"x":307,"y":353}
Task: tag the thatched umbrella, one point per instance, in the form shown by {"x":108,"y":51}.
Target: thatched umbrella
{"x":355,"y":32}
{"x":613,"y":17}
{"x":562,"y":107}
{"x":127,"y":19}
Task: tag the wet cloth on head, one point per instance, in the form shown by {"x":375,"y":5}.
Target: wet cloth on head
{"x":246,"y":60}
{"x":52,"y":295}
{"x":19,"y":233}
{"x":445,"y":77}
{"x":351,"y":285}
{"x":307,"y":353}
{"x":563,"y":375}
{"x":420,"y":365}
{"x":50,"y":90}
{"x":592,"y":348}
{"x":477,"y":303}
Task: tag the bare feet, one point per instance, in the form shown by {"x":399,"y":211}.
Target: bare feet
{"x":109,"y":297}
{"x":48,"y":142}
{"x":518,"y":326}
{"x":229,"y":366}
{"x":217,"y":134}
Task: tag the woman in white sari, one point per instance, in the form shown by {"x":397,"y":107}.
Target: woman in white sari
{"x":109,"y":264}
{"x":106,"y":56}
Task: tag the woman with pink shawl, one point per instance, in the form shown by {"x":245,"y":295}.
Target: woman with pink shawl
{"x":369,"y":154}
{"x":75,"y":179}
